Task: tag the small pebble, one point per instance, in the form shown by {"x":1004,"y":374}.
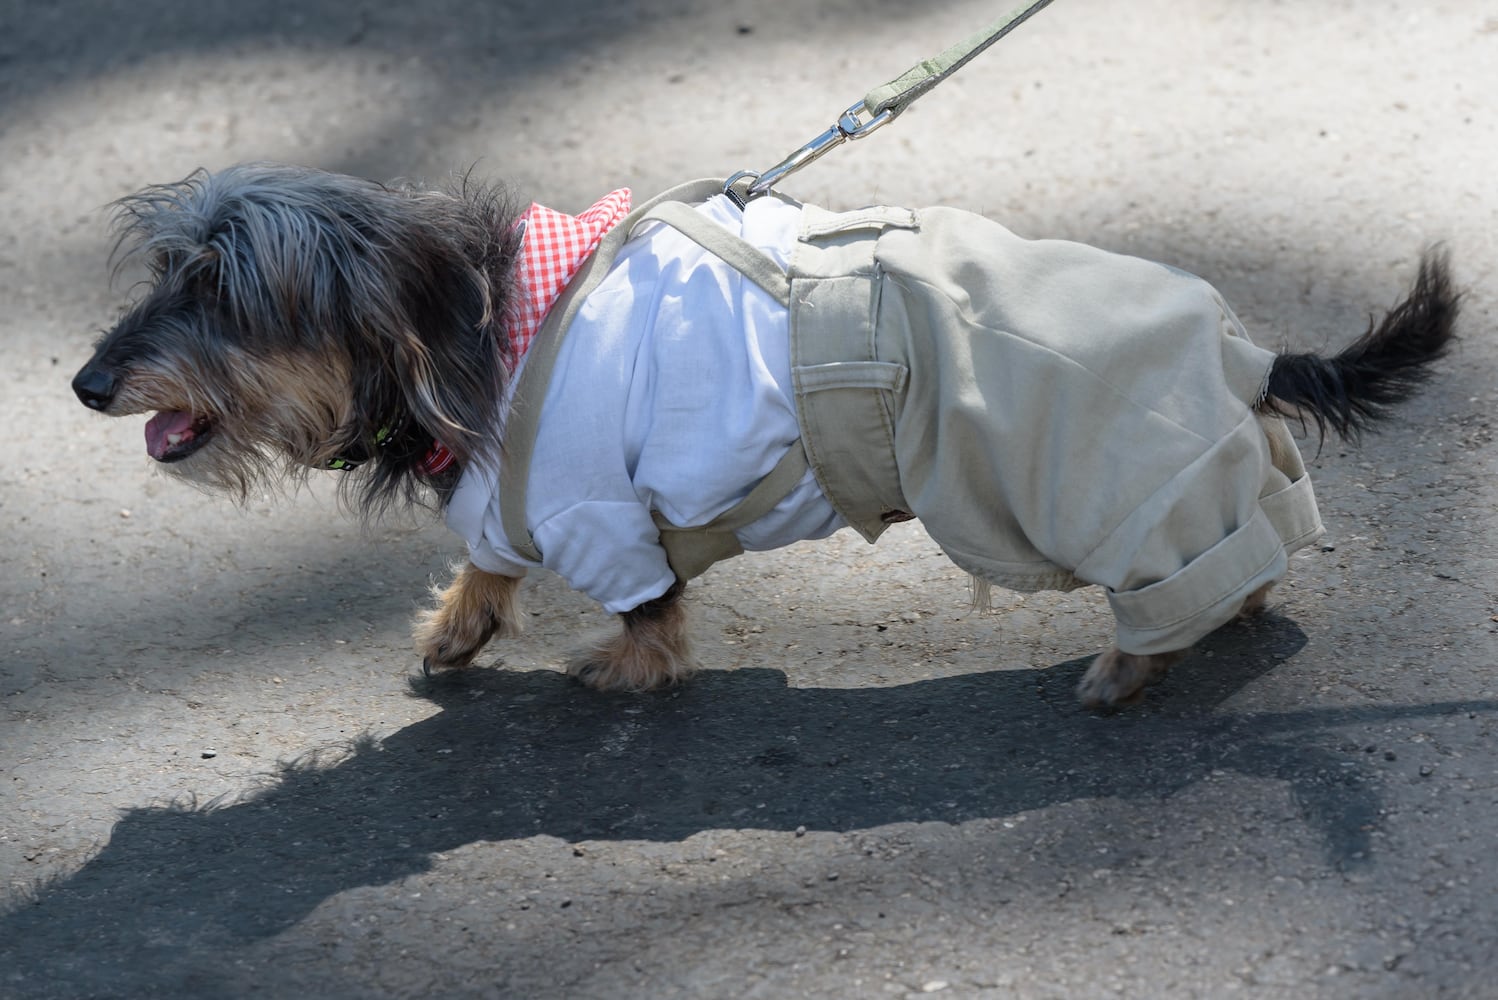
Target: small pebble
{"x":209,"y":754}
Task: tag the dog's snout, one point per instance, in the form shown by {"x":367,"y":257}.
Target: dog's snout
{"x":95,"y":387}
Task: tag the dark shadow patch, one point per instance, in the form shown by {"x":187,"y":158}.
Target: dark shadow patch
{"x":516,"y":755}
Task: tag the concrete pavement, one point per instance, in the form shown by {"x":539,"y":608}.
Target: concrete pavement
{"x":216,"y":776}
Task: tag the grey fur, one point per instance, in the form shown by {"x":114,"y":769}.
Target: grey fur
{"x":301,"y":313}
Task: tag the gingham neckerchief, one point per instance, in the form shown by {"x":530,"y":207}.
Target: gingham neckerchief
{"x":554,"y":246}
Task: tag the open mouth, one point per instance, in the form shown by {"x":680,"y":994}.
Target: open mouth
{"x":172,"y":435}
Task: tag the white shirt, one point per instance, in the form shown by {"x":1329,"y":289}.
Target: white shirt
{"x":671,"y":393}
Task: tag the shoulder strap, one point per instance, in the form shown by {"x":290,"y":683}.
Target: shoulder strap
{"x":690,"y":551}
{"x":719,"y":242}
{"x":523,"y":418}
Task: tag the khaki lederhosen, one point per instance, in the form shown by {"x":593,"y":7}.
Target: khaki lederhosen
{"x":944,"y":367}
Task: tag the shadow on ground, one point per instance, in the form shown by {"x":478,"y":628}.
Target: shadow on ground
{"x":516,"y":755}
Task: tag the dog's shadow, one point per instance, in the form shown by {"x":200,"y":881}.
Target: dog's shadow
{"x":514,"y":755}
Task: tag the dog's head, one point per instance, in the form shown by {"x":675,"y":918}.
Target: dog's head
{"x":291,"y":316}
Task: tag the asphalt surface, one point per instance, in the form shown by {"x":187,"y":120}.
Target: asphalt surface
{"x":218,"y":778}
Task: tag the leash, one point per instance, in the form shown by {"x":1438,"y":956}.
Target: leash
{"x":881,"y":105}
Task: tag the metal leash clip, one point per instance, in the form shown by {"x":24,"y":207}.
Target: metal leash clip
{"x":881,"y":105}
{"x":850,"y":125}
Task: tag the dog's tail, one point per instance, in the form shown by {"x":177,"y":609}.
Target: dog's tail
{"x":1353,"y":389}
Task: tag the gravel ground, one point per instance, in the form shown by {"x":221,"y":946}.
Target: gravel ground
{"x":218,"y":779}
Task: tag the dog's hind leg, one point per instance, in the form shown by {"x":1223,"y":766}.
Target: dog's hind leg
{"x":1256,"y":603}
{"x":1119,"y":678}
{"x":651,"y":650}
{"x":474,"y":608}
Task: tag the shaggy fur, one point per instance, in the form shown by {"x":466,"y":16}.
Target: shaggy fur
{"x":649,"y":652}
{"x":1385,"y":366}
{"x":298,"y":315}
{"x":473,"y":609}
{"x":295,"y":318}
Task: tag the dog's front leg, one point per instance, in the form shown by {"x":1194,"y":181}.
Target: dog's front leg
{"x":650,"y":651}
{"x":471,"y":610}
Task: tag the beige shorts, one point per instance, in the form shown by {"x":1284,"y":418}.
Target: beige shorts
{"x":1054,"y":414}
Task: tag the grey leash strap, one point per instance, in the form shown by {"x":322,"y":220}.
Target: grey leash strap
{"x":881,"y":105}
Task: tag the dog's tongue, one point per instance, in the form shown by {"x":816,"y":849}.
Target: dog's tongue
{"x":164,"y":425}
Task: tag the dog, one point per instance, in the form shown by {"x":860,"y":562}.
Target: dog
{"x":296,"y":320}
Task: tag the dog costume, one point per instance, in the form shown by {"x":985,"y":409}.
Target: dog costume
{"x":715,"y":379}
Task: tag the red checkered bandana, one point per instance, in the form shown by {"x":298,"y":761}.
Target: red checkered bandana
{"x":555,"y":246}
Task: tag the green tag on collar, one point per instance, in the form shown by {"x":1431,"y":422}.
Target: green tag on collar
{"x":346,"y":464}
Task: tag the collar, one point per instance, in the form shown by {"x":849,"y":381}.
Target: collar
{"x":348,"y":461}
{"x":554,"y":247}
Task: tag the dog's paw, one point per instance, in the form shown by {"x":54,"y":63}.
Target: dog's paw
{"x":649,"y":651}
{"x":591,"y":670}
{"x":1118,"y":678}
{"x":473,"y":609}
{"x":631,"y":662}
{"x":450,"y":642}
{"x":1255,"y":604}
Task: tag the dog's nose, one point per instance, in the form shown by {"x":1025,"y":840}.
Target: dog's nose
{"x":95,"y":388}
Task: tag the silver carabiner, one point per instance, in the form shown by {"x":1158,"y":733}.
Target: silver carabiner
{"x":855,"y":128}
{"x":850,"y":125}
{"x":888,"y":101}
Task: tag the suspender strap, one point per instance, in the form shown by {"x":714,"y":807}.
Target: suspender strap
{"x":719,"y":242}
{"x":689,"y":550}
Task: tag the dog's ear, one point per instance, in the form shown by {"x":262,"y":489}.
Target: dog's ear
{"x":447,"y":351}
{"x":425,"y":285}
{"x":175,"y":230}
{"x":446,"y":276}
